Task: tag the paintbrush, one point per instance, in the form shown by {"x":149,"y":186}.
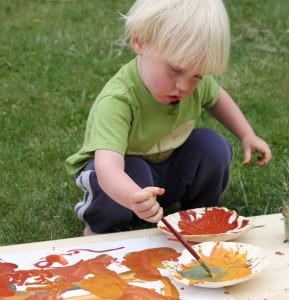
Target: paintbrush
{"x":187,"y":246}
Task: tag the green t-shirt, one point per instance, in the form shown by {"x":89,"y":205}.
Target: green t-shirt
{"x":126,"y":118}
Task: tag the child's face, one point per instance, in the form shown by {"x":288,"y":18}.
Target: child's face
{"x":166,"y":82}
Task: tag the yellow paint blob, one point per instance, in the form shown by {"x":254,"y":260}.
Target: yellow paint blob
{"x":225,"y":264}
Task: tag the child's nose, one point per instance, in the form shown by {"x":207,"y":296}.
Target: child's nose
{"x":183,"y":84}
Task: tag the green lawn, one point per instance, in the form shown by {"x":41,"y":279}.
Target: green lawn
{"x":55,"y":56}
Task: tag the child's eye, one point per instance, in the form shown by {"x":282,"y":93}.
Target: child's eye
{"x":198,"y":77}
{"x":176,"y":70}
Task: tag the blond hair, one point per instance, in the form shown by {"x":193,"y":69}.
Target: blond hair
{"x":185,"y":32}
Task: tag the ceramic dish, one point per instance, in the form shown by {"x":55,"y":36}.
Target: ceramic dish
{"x":230,"y":263}
{"x":208,"y":224}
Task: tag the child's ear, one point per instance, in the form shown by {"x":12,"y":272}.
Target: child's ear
{"x":136,"y":44}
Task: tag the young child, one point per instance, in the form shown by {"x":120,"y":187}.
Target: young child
{"x":141,"y":152}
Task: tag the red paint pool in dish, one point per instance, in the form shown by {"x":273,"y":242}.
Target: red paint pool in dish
{"x":215,"y":220}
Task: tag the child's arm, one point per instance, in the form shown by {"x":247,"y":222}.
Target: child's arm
{"x":228,"y":113}
{"x":109,"y":167}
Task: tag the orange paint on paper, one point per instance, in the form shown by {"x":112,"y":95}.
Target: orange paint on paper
{"x":47,"y":281}
{"x":145,"y":263}
{"x":225,"y":264}
{"x":213,"y":221}
{"x":50,"y":260}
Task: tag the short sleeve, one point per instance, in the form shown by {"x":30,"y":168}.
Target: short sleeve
{"x":108,"y":125}
{"x":208,"y":91}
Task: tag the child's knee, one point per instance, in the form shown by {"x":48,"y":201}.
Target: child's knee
{"x":213,"y":148}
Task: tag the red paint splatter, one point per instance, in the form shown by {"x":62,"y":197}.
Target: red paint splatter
{"x":76,"y":251}
{"x":7,"y":267}
{"x":50,"y":260}
{"x":5,"y":290}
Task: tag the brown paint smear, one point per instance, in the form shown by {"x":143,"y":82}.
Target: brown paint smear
{"x":92,"y":275}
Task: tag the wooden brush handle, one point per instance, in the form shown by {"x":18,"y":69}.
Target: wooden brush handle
{"x":180,"y":238}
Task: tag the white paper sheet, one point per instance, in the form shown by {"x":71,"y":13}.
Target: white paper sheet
{"x":27,"y":261}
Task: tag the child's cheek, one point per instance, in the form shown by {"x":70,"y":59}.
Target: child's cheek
{"x":163,"y":84}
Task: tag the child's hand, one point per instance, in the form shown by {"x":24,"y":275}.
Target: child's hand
{"x":145,"y":205}
{"x":252,"y":144}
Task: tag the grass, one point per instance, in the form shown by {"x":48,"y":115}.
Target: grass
{"x":55,"y":56}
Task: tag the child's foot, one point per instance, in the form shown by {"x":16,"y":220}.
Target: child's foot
{"x":88,"y":232}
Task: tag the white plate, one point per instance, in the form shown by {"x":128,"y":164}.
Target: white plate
{"x":208,"y":224}
{"x":254,"y":258}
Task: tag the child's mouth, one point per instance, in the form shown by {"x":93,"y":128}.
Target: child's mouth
{"x":174,"y":98}
{"x":175,"y":102}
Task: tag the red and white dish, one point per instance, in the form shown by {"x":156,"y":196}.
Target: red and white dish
{"x":208,"y":224}
{"x":256,"y":260}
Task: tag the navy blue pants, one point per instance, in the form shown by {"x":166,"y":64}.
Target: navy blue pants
{"x":195,"y":175}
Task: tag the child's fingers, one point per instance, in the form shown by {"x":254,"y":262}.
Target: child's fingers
{"x":141,"y":196}
{"x":155,"y":218}
{"x":247,"y":156}
{"x":145,"y":205}
{"x":264,"y":159}
{"x":267,"y":156}
{"x":160,"y":191}
{"x":156,"y":191}
{"x":152,"y":210}
{"x":146,"y":193}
